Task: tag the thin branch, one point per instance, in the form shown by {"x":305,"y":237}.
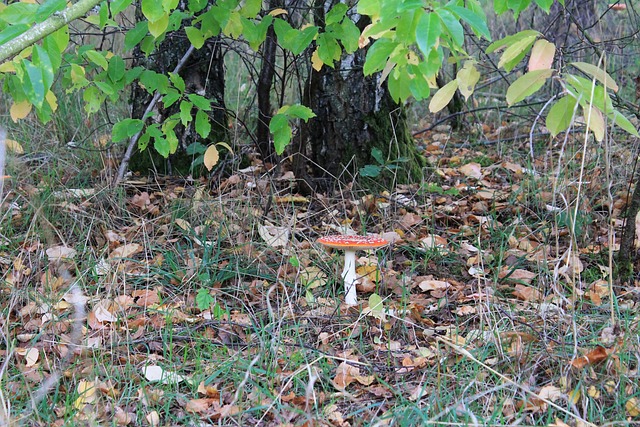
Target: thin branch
{"x":124,"y":164}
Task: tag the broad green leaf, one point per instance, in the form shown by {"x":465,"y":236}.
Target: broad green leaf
{"x":126,"y":129}
{"x":233,"y":27}
{"x":619,"y":120}
{"x":336,"y":14}
{"x":452,"y":27}
{"x":178,"y":82}
{"x":376,"y":307}
{"x":195,"y":36}
{"x":527,"y":85}
{"x":200,"y":101}
{"x":369,"y":8}
{"x":158,"y":27}
{"x":19,"y":13}
{"x":428,"y":32}
{"x":399,"y":84}
{"x":561,"y":115}
{"x":595,"y":122}
{"x":510,"y":40}
{"x":599,"y":74}
{"x":97,"y":58}
{"x":153,"y":10}
{"x":477,"y":22}
{"x":278,"y":122}
{"x":590,"y":92}
{"x":116,"y":70}
{"x":93,"y":99}
{"x":41,"y":60}
{"x":135,"y":35}
{"x":376,"y":153}
{"x":203,"y":126}
{"x":185,"y":112}
{"x":467,"y":79}
{"x":162,"y":146}
{"x":329,"y":50}
{"x":117,"y":6}
{"x":48,"y":8}
{"x":251,"y":8}
{"x":442,"y":97}
{"x":370,"y":171}
{"x":34,"y":84}
{"x":298,"y":111}
{"x":350,"y":36}
{"x":378,"y":56}
{"x":204,"y":300}
{"x":281,"y":139}
{"x":542,"y":55}
{"x":12,"y":32}
{"x":514,"y":53}
{"x":105,"y":87}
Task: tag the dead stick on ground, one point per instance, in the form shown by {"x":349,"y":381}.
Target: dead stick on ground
{"x":124,"y":164}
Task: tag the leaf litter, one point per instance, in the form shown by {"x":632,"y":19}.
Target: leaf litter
{"x":231,"y":269}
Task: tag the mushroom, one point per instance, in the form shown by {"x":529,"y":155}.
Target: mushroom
{"x":351,"y":244}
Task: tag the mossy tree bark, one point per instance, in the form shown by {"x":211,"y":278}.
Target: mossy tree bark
{"x":354,"y":115}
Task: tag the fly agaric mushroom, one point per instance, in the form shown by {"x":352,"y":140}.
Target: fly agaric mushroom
{"x":350,"y":244}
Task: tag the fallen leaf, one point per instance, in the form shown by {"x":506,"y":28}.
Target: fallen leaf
{"x":275,"y":237}
{"x":472,"y":170}
{"x":200,"y":405}
{"x":31,"y":357}
{"x":527,"y":293}
{"x":153,"y":418}
{"x":155,"y":373}
{"x":87,"y":394}
{"x":633,"y":407}
{"x":58,"y":253}
{"x":125,"y":251}
{"x":432,"y":285}
{"x":596,"y":355}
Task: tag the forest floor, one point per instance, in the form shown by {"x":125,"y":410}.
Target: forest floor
{"x":173,"y":302}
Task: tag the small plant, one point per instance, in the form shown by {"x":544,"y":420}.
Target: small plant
{"x":374,"y":171}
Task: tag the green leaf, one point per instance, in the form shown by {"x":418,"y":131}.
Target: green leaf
{"x":428,"y":31}
{"x":544,"y":4}
{"x":443,"y":96}
{"x":376,"y":307}
{"x":350,"y":36}
{"x":510,"y":40}
{"x":595,"y":121}
{"x":126,"y":129}
{"x":153,"y":10}
{"x":34,"y":84}
{"x":527,"y":85}
{"x":117,"y":6}
{"x":48,"y":8}
{"x":204,"y":299}
{"x":116,"y":70}
{"x":203,"y":126}
{"x":158,"y":27}
{"x":370,"y":171}
{"x":514,"y":53}
{"x":195,"y":36}
{"x":297,"y":111}
{"x":560,"y":115}
{"x":328,"y":49}
{"x":135,"y":35}
{"x":452,"y":27}
{"x":19,"y":13}
{"x":97,"y":58}
{"x":93,"y":99}
{"x":477,"y":22}
{"x":185,"y":112}
{"x":619,"y":120}
{"x":599,"y":74}
{"x":336,"y":14}
{"x":278,"y":122}
{"x":178,"y":82}
{"x":200,"y":101}
{"x":105,"y":87}
{"x":369,"y":7}
{"x":279,"y":127}
{"x":251,"y":8}
{"x":162,"y":146}
{"x":378,"y":56}
{"x":399,"y":85}
{"x":41,"y":60}
{"x":376,"y":153}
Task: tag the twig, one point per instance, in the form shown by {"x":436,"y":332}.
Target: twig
{"x":134,"y":139}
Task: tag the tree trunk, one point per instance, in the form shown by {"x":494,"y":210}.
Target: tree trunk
{"x":355,"y":114}
{"x":628,"y":253}
{"x":203,"y":74}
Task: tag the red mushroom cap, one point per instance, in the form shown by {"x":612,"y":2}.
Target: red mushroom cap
{"x":343,"y":241}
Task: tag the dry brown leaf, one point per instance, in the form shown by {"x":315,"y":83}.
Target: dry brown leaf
{"x":518,"y":275}
{"x":58,"y":253}
{"x":527,"y":293}
{"x":125,"y":251}
{"x":472,"y":170}
{"x":200,"y":405}
{"x":432,"y":285}
{"x":596,"y":355}
{"x":633,"y":407}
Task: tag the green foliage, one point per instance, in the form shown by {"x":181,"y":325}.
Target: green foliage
{"x":407,"y":42}
{"x":374,"y":171}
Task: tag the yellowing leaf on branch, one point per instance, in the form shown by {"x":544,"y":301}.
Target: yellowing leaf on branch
{"x":443,"y":96}
{"x":211,"y":157}
{"x":527,"y":85}
{"x":467,"y":78}
{"x":542,"y":55}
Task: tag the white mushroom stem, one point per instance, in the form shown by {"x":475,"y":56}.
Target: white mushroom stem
{"x":349,"y":277}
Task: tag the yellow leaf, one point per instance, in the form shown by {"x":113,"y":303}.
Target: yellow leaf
{"x":595,"y":122}
{"x":542,"y":55}
{"x":467,"y":79}
{"x":19,"y":110}
{"x":443,"y":96}
{"x":87,"y":393}
{"x":7,"y":67}
{"x":633,"y":407}
{"x":211,"y":157}
{"x":14,"y":146}
{"x":278,"y":11}
{"x":316,"y":62}
{"x":52,"y":100}
{"x":32,"y":357}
